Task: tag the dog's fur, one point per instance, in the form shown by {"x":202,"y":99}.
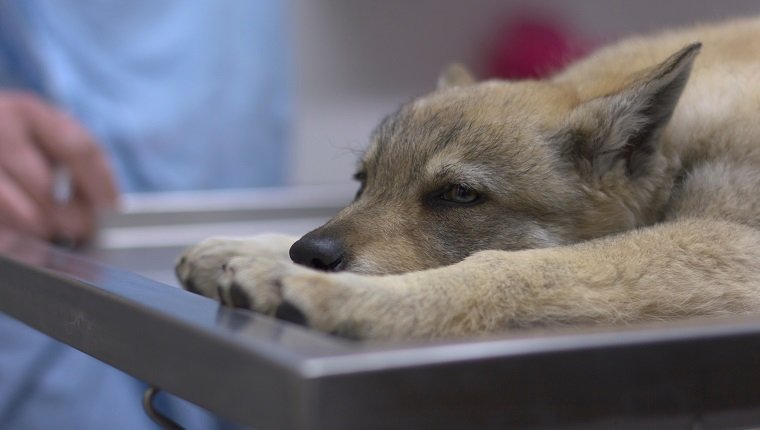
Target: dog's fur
{"x":625,"y":188}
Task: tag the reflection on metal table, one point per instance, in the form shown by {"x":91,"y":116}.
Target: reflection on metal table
{"x":272,"y":375}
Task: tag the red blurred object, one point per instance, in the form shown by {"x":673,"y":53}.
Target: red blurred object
{"x":533,"y":45}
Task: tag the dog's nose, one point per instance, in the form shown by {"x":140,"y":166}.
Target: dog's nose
{"x":318,"y":252}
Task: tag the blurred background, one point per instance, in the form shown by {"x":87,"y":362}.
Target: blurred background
{"x":355,"y":61}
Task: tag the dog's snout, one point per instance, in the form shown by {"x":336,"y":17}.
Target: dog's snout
{"x":318,"y":252}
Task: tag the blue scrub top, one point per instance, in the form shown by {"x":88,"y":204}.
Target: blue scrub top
{"x":183,"y":94}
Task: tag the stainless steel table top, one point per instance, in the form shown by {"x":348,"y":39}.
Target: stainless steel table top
{"x":273,"y":375}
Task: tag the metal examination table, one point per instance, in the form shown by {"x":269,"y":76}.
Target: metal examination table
{"x":272,"y":375}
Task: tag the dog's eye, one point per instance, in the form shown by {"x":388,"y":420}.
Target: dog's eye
{"x":459,"y":193}
{"x":362,"y":178}
{"x":359,"y":191}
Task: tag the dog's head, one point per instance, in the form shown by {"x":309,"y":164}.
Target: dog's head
{"x":504,"y":165}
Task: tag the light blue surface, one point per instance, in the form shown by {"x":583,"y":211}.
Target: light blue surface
{"x":183,"y":94}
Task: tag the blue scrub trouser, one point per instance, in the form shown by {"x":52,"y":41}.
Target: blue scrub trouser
{"x":45,"y":384}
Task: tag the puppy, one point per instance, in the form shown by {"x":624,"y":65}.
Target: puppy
{"x":623,"y":189}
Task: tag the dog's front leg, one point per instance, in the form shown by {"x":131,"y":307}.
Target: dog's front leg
{"x":673,"y":270}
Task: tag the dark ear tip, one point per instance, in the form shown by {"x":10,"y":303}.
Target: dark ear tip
{"x":677,"y":64}
{"x":690,"y":50}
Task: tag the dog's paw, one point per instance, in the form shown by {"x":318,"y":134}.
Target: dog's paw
{"x":254,"y":283}
{"x":346,"y":304}
{"x":200,"y":266}
{"x":273,"y":287}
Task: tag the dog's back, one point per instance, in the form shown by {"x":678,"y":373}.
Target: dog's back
{"x":717,"y":115}
{"x":714,"y":132}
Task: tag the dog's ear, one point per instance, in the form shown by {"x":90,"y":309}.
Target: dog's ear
{"x":623,"y":128}
{"x":455,"y":75}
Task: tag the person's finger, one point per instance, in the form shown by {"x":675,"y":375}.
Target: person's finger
{"x":89,"y":169}
{"x":22,"y":161}
{"x":74,"y":221}
{"x":19,"y":212}
{"x":66,"y":142}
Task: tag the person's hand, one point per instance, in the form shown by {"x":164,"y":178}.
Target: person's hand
{"x":35,"y":140}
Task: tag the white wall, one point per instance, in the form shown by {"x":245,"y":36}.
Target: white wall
{"x":356,"y":60}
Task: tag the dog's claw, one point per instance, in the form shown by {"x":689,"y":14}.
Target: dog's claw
{"x":288,"y":312}
{"x":238,"y":297}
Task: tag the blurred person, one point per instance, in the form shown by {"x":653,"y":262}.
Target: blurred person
{"x":131,"y":96}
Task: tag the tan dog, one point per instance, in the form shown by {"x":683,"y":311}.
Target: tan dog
{"x":626,"y":188}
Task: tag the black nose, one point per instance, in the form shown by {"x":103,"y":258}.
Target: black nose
{"x":318,"y":252}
